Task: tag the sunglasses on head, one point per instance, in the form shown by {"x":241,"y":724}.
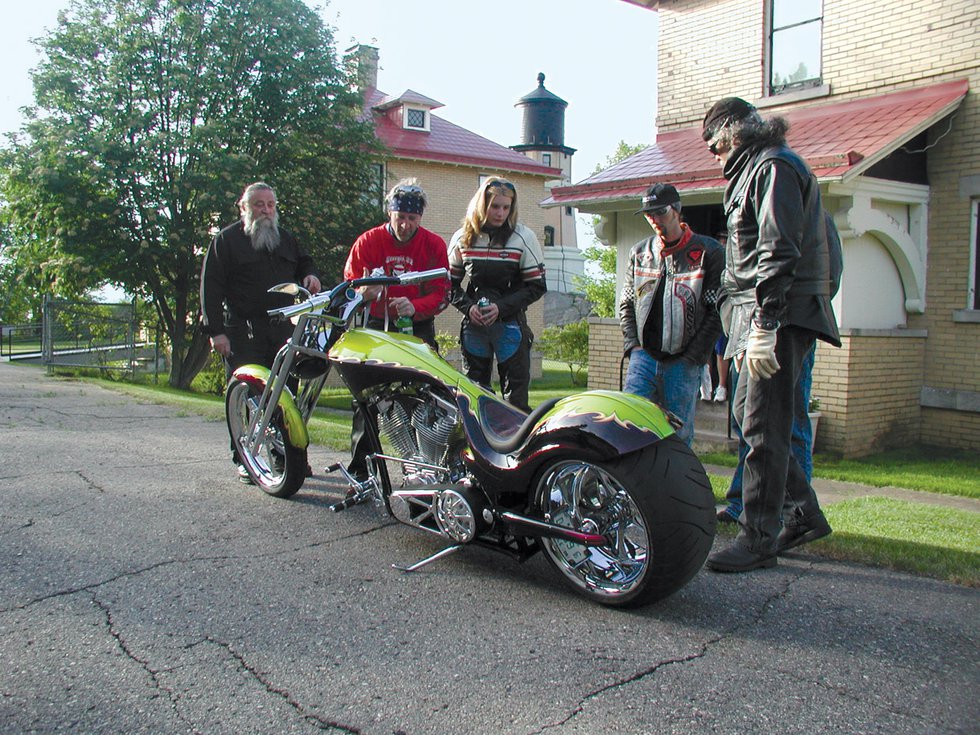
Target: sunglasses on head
{"x":408,"y":190}
{"x":500,"y":183}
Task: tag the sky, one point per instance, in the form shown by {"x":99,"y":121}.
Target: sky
{"x":476,"y":58}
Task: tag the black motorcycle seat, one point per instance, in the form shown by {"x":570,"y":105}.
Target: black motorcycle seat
{"x":505,"y":430}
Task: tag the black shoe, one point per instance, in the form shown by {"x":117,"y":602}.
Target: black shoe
{"x":737,"y":558}
{"x":725,"y":515}
{"x":802,"y":533}
{"x":244,"y":477}
{"x":309,"y":471}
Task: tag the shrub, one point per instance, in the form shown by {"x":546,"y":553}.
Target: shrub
{"x":568,"y":344}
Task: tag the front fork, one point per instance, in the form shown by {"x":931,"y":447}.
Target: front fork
{"x":274,"y":395}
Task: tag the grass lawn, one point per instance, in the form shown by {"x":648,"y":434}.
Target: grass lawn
{"x":930,"y":469}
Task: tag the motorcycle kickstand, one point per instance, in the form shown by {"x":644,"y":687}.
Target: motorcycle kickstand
{"x":428,"y":560}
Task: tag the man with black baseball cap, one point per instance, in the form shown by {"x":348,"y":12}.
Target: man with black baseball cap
{"x":774,"y":303}
{"x":667,"y":310}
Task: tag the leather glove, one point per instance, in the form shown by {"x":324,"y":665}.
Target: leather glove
{"x":760,"y":353}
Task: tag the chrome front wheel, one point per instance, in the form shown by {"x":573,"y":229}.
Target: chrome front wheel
{"x":277,"y":467}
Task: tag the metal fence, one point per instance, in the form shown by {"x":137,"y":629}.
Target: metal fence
{"x":20,"y":339}
{"x":89,"y":334}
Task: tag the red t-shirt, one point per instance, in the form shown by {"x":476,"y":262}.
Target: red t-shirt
{"x":378,"y":248}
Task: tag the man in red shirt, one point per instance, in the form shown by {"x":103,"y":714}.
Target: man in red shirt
{"x":397,"y":247}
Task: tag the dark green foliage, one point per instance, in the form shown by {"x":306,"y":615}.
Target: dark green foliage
{"x":151,"y":118}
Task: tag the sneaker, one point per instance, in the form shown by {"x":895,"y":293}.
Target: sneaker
{"x":244,"y":477}
{"x":705,"y":393}
{"x":721,"y":395}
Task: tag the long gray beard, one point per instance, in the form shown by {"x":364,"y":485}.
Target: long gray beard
{"x":264,"y":233}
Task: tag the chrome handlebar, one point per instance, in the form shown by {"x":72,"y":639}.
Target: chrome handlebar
{"x":314,"y":303}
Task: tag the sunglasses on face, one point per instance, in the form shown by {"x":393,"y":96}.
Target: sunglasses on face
{"x":713,"y":148}
{"x":659,"y":211}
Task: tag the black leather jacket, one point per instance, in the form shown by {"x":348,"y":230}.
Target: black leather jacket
{"x":777,"y":264}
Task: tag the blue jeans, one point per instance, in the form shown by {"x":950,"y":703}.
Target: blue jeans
{"x":802,"y":440}
{"x":672,"y":385}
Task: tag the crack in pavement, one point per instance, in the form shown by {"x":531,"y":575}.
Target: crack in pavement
{"x":700,"y":652}
{"x":190,"y":560}
{"x":262,"y":678}
{"x":156,"y":683}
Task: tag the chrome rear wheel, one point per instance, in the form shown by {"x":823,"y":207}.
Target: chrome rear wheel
{"x":655,"y":509}
{"x":585,"y":497}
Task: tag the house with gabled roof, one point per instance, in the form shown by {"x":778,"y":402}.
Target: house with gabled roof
{"x":881,"y":101}
{"x":451,"y":162}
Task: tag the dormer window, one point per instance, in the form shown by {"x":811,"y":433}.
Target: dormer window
{"x":411,"y":109}
{"x":415,"y":118}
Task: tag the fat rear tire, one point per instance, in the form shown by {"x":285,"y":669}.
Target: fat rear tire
{"x":656,"y":507}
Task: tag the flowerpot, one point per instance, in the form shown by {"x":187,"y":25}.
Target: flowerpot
{"x":814,"y":420}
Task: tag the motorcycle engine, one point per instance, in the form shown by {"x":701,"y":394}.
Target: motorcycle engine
{"x":422,"y":428}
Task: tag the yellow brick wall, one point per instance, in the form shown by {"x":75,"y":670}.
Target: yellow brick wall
{"x":605,"y":353}
{"x":869,"y":391}
{"x":952,"y":350}
{"x":867,"y":46}
{"x":709,"y":49}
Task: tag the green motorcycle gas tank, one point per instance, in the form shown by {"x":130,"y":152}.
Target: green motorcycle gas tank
{"x":394,"y":350}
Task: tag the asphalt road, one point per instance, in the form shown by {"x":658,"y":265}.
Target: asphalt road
{"x":144,"y":590}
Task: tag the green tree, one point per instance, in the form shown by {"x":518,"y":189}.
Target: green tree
{"x":599,"y":282}
{"x":568,"y":343}
{"x":151,"y":116}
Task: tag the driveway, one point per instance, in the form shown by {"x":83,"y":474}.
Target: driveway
{"x":144,"y":590}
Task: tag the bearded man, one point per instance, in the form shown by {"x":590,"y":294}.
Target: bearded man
{"x":244,"y":260}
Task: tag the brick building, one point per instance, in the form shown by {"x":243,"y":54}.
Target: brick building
{"x":881,"y":102}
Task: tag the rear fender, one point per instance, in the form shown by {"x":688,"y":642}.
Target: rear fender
{"x":257,"y":376}
{"x":594,"y":425}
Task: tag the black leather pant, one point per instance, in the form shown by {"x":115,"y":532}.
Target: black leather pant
{"x":514,"y":372}
{"x":764,"y":411}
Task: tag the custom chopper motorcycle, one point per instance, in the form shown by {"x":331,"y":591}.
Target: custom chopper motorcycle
{"x":597,"y":480}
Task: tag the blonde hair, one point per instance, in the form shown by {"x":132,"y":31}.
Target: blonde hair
{"x":476,"y":212}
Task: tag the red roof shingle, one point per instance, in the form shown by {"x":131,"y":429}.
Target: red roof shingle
{"x":449,"y":143}
{"x":839,"y":140}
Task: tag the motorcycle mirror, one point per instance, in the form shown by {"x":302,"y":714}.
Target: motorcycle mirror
{"x":290,"y":289}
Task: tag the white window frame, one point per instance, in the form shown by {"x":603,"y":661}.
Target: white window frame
{"x":407,"y":111}
{"x":973,"y":294}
